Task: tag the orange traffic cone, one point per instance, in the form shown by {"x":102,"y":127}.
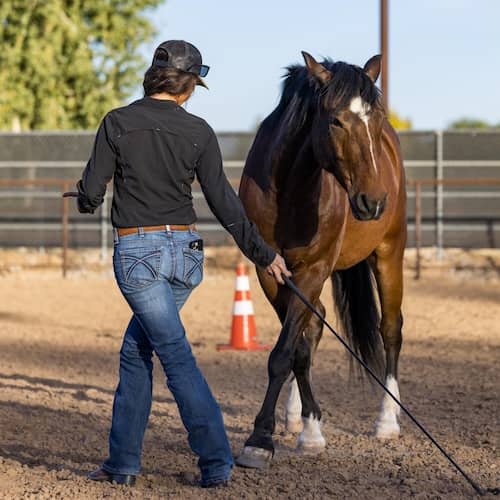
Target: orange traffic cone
{"x":243,"y":333}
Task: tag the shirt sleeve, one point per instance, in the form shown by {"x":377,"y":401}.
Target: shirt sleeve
{"x":227,"y":207}
{"x":99,"y":170}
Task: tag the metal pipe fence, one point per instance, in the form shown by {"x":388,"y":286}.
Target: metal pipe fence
{"x":418,"y":184}
{"x":64,"y":185}
{"x":450,"y":213}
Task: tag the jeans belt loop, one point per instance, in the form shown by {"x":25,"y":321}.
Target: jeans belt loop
{"x":141,"y":231}
{"x":167,"y":227}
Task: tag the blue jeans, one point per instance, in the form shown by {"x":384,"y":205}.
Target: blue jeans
{"x":156,"y":271}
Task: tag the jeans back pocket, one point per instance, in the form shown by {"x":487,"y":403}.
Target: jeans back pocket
{"x":193,"y":267}
{"x":140,"y":266}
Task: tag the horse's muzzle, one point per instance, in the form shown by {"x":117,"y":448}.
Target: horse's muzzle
{"x":365,"y":208}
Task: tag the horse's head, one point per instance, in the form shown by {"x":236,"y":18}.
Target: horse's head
{"x":347,"y":131}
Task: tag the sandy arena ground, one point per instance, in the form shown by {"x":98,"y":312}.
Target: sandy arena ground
{"x":59,"y":348}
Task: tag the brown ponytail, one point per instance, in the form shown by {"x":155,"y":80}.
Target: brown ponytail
{"x":170,"y":80}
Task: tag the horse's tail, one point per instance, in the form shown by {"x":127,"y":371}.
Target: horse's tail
{"x":355,"y":295}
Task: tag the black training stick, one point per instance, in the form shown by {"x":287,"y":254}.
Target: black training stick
{"x":303,"y":298}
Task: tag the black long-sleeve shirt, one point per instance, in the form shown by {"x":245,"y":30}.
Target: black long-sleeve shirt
{"x":154,"y":149}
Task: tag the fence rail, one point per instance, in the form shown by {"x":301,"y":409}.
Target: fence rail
{"x":64,"y":185}
{"x":451,"y":213}
{"x":418,"y":184}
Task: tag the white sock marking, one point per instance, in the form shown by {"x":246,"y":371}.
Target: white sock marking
{"x":389,"y":404}
{"x":311,"y":434}
{"x":293,"y":404}
{"x":362,"y":109}
{"x":387,"y":422}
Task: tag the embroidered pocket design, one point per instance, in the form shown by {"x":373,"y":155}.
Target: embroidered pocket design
{"x":140,"y":266}
{"x":193,"y":267}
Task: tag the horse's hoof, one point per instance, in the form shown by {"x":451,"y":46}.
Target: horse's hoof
{"x":387,"y":430}
{"x":254,"y":458}
{"x":294,"y":426}
{"x":311,"y":448}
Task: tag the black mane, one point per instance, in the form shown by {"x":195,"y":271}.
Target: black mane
{"x":301,"y":96}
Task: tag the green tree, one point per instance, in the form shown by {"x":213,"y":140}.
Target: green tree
{"x":64,"y":63}
{"x":467,"y":122}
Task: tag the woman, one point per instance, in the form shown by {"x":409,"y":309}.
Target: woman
{"x":154,"y":149}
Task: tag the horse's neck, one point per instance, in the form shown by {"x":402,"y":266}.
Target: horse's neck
{"x":295,"y":158}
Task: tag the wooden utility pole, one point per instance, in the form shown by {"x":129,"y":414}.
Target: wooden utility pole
{"x":384,"y":50}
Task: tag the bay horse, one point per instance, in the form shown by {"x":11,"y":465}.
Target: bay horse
{"x":325,"y":185}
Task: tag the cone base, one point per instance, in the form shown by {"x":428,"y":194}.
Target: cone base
{"x":249,"y":347}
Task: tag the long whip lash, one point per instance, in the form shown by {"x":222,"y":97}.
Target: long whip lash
{"x":303,"y":298}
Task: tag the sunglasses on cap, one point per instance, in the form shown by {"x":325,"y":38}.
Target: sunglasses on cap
{"x":199,"y":69}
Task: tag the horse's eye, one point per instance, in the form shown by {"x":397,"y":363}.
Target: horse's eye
{"x":336,"y":122}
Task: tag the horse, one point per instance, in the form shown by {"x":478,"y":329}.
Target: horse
{"x":325,"y":185}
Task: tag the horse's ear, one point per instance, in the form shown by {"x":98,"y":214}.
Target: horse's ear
{"x":372,"y":67}
{"x":316,"y":69}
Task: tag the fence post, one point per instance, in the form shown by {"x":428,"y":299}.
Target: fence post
{"x":418,"y":226}
{"x":439,"y":193}
{"x":104,"y":229}
{"x":65,"y":211}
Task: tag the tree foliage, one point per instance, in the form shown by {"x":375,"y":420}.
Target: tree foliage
{"x":64,"y":63}
{"x":466,"y":122}
{"x":399,"y":123}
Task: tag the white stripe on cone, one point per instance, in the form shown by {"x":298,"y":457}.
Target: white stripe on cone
{"x":242,"y":283}
{"x":242,"y":308}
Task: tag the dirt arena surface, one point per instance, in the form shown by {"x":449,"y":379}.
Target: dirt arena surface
{"x":59,"y":347}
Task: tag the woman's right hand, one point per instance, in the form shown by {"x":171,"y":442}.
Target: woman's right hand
{"x":277,"y":267}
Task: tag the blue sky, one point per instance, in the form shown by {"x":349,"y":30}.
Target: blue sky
{"x":443,"y":54}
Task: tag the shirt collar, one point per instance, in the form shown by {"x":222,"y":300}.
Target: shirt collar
{"x":158,"y":103}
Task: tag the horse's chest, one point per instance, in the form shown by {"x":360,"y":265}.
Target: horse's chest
{"x":360,"y":240}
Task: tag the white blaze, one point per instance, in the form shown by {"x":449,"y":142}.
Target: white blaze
{"x":362,"y":109}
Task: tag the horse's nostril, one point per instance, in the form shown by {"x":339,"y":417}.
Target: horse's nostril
{"x":368,"y":208}
{"x":364,"y":203}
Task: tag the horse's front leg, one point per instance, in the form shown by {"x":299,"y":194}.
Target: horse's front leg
{"x":302,"y":368}
{"x":389,"y":275}
{"x":303,"y":362}
{"x":259,"y":447}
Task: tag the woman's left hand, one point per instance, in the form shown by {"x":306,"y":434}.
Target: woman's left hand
{"x":278,"y":267}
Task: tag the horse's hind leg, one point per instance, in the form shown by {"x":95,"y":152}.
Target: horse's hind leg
{"x":310,"y":439}
{"x":293,"y":416}
{"x":388,"y":267}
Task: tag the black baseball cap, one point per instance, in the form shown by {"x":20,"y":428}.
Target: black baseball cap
{"x":182,"y":55}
